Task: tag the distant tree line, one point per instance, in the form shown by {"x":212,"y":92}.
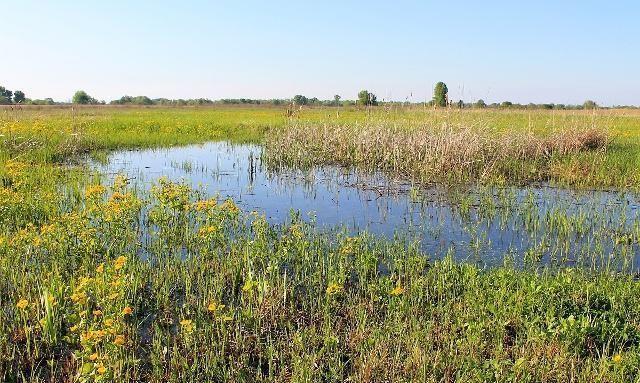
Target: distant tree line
{"x":364,"y":98}
{"x":441,"y":99}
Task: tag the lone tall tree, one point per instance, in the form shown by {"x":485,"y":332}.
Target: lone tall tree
{"x":367,"y":98}
{"x":441,"y":94}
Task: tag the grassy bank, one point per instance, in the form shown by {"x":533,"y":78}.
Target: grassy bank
{"x":211,"y":295}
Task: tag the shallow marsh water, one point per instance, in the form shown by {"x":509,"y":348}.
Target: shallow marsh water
{"x":537,"y":225}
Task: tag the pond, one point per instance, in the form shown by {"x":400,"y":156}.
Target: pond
{"x":485,"y":225}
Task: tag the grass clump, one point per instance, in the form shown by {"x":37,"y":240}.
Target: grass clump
{"x":434,"y":153}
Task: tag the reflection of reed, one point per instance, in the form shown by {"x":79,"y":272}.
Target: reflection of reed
{"x":542,"y":223}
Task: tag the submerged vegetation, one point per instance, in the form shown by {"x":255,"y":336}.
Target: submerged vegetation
{"x":103,"y":282}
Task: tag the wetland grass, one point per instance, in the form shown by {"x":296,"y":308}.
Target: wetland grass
{"x":429,"y":154}
{"x":100,"y":282}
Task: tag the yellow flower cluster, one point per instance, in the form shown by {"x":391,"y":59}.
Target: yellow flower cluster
{"x":99,"y":319}
{"x":205,"y":205}
{"x":207,"y":231}
{"x":14,"y":168}
{"x":94,"y":191}
{"x":230,"y":207}
{"x":334,"y":289}
{"x":187,"y":326}
{"x":22,"y":304}
{"x":397,"y":291}
{"x":120,"y":262}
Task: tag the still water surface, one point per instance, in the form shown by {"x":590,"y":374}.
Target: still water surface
{"x":597,"y":228}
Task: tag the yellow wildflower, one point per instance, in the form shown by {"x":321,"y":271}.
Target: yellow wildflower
{"x":213,"y":307}
{"x":119,"y":341}
{"x":101,"y":369}
{"x":206,"y":231}
{"x":187,"y":325}
{"x":230,"y":206}
{"x":22,"y":304}
{"x":248,"y":286}
{"x":52,"y":300}
{"x":100,"y":269}
{"x":397,"y":291}
{"x":334,"y":288}
{"x":205,"y":205}
{"x":80,"y":297}
{"x":120,"y":261}
{"x":108,"y":322}
{"x":127,"y":310}
{"x":84,"y":281}
{"x":94,"y":190}
{"x":93,"y":357}
{"x":617,"y":358}
{"x":97,"y":313}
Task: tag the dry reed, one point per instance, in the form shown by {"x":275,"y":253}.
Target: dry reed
{"x":429,"y":153}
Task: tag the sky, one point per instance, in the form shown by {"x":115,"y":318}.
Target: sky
{"x":534,"y":51}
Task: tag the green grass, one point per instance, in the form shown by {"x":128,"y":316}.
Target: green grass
{"x":218,"y":295}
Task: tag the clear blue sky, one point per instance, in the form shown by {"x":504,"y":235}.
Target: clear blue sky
{"x":534,"y":51}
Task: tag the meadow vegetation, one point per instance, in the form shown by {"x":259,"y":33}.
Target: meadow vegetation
{"x":102,"y":282}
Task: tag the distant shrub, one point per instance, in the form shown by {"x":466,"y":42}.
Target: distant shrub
{"x":367,"y":98}
{"x":18,"y":97}
{"x":480,"y":104}
{"x":299,"y":99}
{"x":441,"y":94}
{"x":81,"y":97}
{"x":589,"y":104}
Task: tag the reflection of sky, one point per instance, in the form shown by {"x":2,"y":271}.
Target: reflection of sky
{"x":338,"y":198}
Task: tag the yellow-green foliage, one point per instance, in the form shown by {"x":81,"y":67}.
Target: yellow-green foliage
{"x":98,"y":283}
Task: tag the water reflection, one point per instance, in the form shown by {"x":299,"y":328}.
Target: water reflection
{"x":539,"y":224}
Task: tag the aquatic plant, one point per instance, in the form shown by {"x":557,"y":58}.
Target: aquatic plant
{"x":431,"y":154}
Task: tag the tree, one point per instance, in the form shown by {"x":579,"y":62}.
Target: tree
{"x":81,"y":97}
{"x":18,"y":97}
{"x":480,"y":104}
{"x":144,"y":100}
{"x":441,"y":94}
{"x":6,"y":95}
{"x":589,"y":104}
{"x":506,"y":104}
{"x":299,"y":99}
{"x":336,"y":100}
{"x":367,"y":98}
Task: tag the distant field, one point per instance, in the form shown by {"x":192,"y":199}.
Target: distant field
{"x":50,"y":134}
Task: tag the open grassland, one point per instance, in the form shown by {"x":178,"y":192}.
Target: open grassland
{"x":576,"y":148}
{"x":100,"y":283}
